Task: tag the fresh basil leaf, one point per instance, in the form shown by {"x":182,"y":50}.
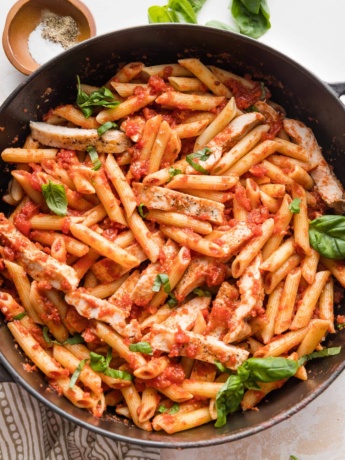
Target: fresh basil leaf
{"x":269,"y":369}
{"x":197,"y":5}
{"x":20,"y":316}
{"x":161,"y":280}
{"x":293,"y":457}
{"x":118,"y":374}
{"x":201,"y":155}
{"x":105,"y":127}
{"x":228,"y":399}
{"x":45,"y":334}
{"x":251,"y":24}
{"x":100,"y":363}
{"x":319,"y":354}
{"x":221,"y":25}
{"x":327,"y":236}
{"x":172,"y":301}
{"x":141,"y":211}
{"x":77,"y":372}
{"x":182,"y":11}
{"x":201,"y":292}
{"x":174,"y":409}
{"x":94,"y":158}
{"x":74,"y":340}
{"x":142,"y":347}
{"x":55,"y":197}
{"x":102,"y":97}
{"x":158,"y":14}
{"x":174,"y":171}
{"x":252,"y":5}
{"x":220,"y":367}
{"x":294,"y":206}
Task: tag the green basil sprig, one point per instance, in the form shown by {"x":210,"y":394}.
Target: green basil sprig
{"x":252,"y":372}
{"x":142,"y":347}
{"x":251,"y":16}
{"x":176,"y":11}
{"x":294,"y":206}
{"x":327,"y":236}
{"x":201,"y":155}
{"x":164,"y":410}
{"x":55,"y":197}
{"x":102,"y":97}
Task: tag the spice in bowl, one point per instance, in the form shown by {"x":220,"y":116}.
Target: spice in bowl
{"x":53,"y":35}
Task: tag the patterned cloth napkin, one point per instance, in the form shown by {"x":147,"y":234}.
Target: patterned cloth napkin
{"x":31,"y":431}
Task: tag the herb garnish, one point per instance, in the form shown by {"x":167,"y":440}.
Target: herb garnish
{"x":105,"y":127}
{"x":55,"y":197}
{"x":201,"y":155}
{"x":327,"y":236}
{"x":20,"y":316}
{"x":201,"y":292}
{"x":161,"y":280}
{"x":142,"y":347}
{"x":141,"y":211}
{"x":173,"y":409}
{"x":102,"y":97}
{"x":97,"y":164}
{"x":294,"y":206}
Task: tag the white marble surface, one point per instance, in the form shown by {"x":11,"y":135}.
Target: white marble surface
{"x":312,"y":33}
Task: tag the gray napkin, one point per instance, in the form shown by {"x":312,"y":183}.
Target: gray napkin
{"x":30,"y":431}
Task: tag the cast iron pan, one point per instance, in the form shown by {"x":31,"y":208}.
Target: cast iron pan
{"x":302,"y":94}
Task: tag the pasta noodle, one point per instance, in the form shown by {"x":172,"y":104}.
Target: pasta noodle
{"x":140,"y":271}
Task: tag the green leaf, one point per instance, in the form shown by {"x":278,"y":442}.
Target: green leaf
{"x":220,"y":367}
{"x":55,"y":197}
{"x":158,"y":14}
{"x":173,"y":409}
{"x":221,"y":25}
{"x":45,"y":334}
{"x":201,"y":155}
{"x":327,"y":236}
{"x":102,"y":97}
{"x":228,"y":399}
{"x":294,"y":206}
{"x":161,"y":280}
{"x":20,"y":316}
{"x":77,"y":372}
{"x":319,"y":354}
{"x":201,"y":292}
{"x":293,"y":457}
{"x":172,"y":301}
{"x":174,"y":171}
{"x":249,"y":23}
{"x":118,"y":374}
{"x":100,"y":363}
{"x":182,"y":11}
{"x":105,"y":127}
{"x":269,"y":369}
{"x":94,"y":158}
{"x":197,"y":5}
{"x":75,"y":339}
{"x":141,"y":211}
{"x":252,"y":5}
{"x":142,"y":347}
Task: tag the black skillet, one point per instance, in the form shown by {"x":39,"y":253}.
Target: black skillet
{"x":304,"y":97}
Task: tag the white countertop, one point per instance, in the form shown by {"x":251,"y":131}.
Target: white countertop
{"x":312,"y":32}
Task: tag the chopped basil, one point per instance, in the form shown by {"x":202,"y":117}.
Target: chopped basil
{"x":220,"y":367}
{"x":294,"y":206}
{"x":94,"y":158}
{"x":164,"y":410}
{"x":100,"y":363}
{"x":161,"y":280}
{"x":319,"y":354}
{"x":174,"y":171}
{"x":20,"y":316}
{"x":105,"y":127}
{"x":142,"y":347}
{"x":45,"y":334}
{"x":118,"y":374}
{"x":77,"y":372}
{"x":102,"y":97}
{"x":141,"y":211}
{"x":327,"y":236}
{"x":201,"y":155}
{"x":74,"y":340}
{"x":172,"y":301}
{"x":201,"y":292}
{"x":55,"y":197}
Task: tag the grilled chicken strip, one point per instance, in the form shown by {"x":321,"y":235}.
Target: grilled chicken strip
{"x":39,"y":265}
{"x":112,"y":141}
{"x":329,"y":187}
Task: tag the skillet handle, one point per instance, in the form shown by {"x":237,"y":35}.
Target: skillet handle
{"x":338,"y":88}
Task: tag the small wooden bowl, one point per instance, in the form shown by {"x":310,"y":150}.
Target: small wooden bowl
{"x":24,"y":17}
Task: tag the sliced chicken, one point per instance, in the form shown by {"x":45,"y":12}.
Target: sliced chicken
{"x":169,"y":200}
{"x":39,"y":265}
{"x":185,"y":315}
{"x":112,"y":141}
{"x":252,"y":294}
{"x":92,"y":307}
{"x":204,"y":348}
{"x":329,"y":187}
